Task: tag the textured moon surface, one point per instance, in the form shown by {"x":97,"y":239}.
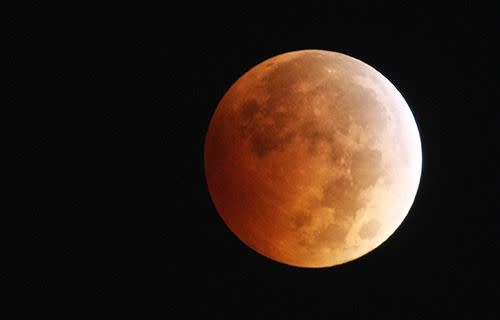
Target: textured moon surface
{"x":312,"y":158}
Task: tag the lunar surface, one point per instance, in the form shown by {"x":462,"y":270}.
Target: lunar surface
{"x":313,"y":158}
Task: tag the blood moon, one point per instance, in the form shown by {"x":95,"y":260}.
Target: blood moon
{"x":312,"y":158}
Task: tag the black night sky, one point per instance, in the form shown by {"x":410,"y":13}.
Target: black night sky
{"x":113,"y":217}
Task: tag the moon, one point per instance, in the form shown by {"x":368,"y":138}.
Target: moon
{"x":312,"y":158}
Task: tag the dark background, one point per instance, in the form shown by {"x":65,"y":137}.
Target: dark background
{"x":114,"y":219}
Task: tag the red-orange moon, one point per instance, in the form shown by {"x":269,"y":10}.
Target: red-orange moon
{"x":313,"y":158}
